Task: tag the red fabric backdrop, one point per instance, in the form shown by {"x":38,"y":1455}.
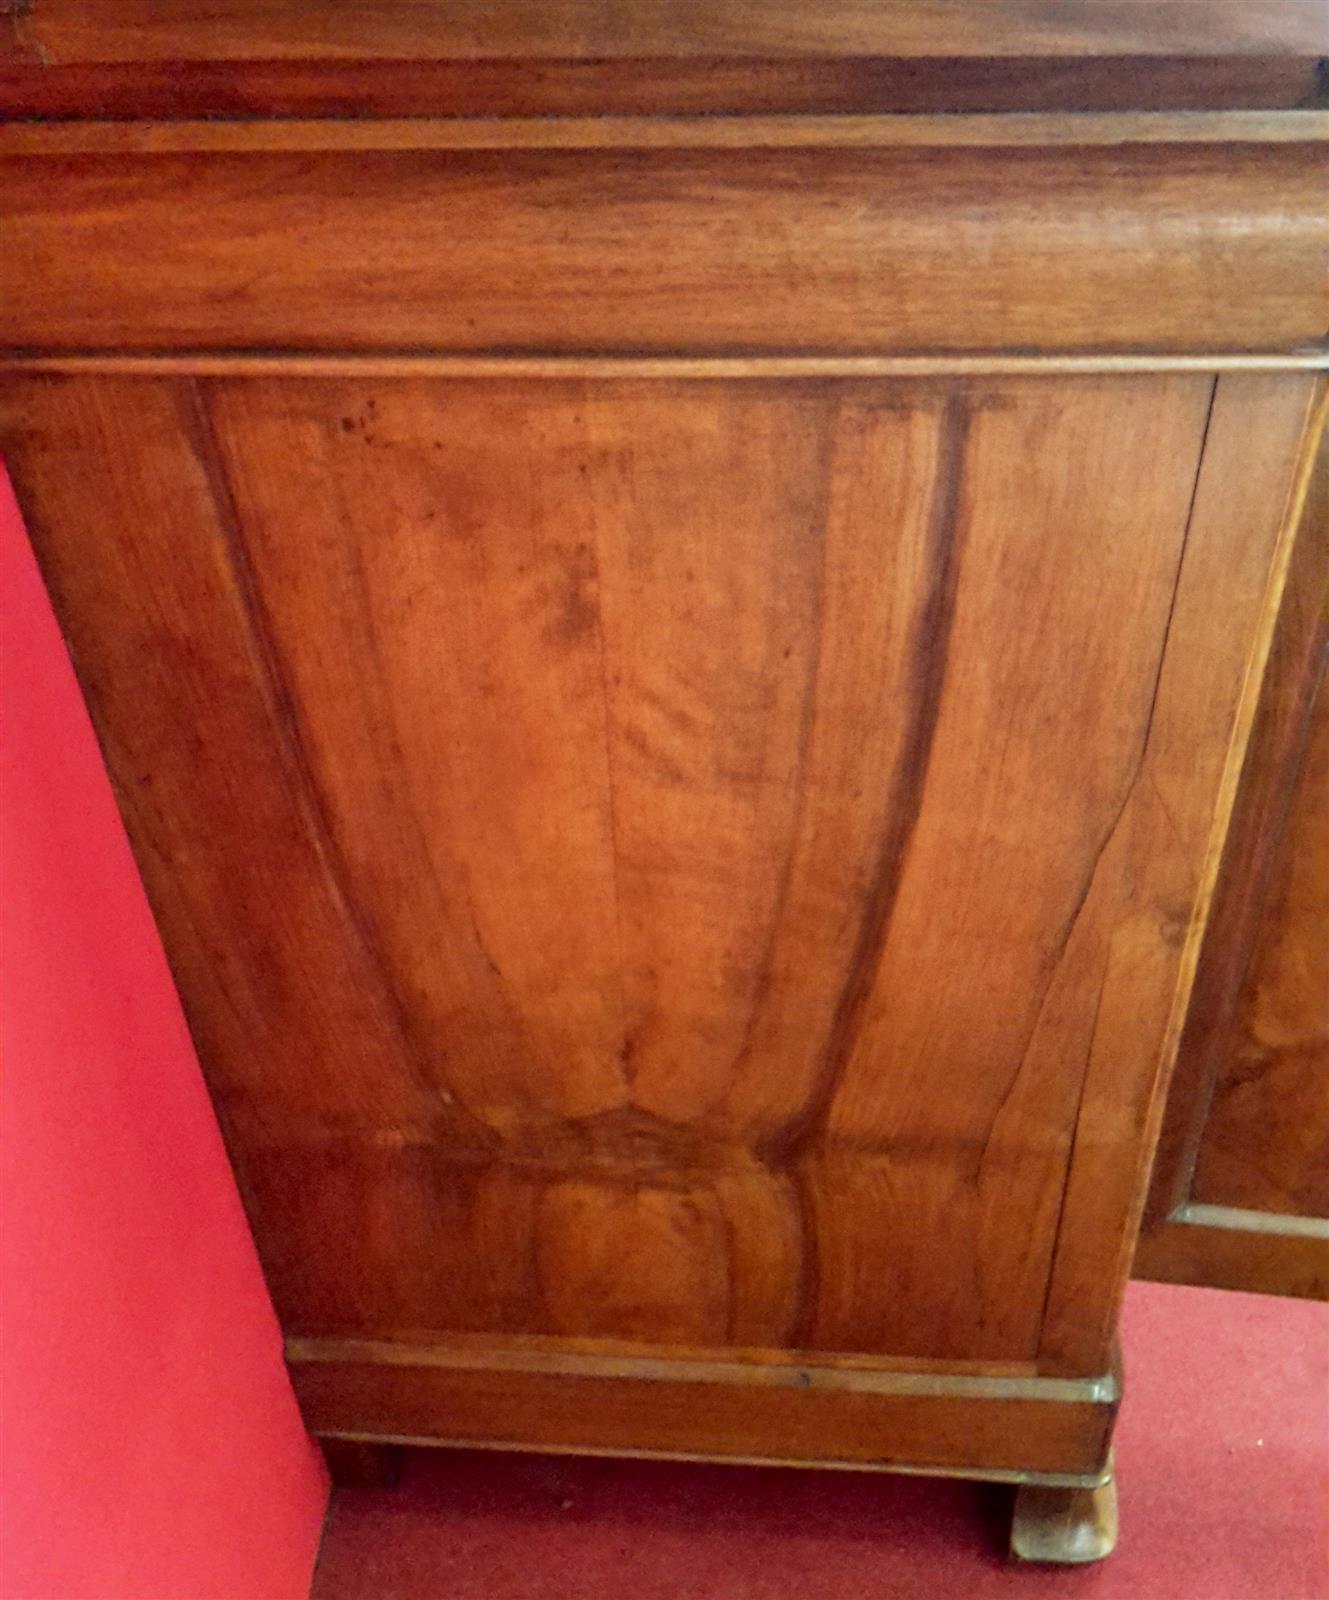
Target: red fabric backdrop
{"x":151,"y":1448}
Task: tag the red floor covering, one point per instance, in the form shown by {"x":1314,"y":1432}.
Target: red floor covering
{"x":1222,"y":1462}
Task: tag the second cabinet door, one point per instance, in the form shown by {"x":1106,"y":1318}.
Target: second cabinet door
{"x":1241,"y":1189}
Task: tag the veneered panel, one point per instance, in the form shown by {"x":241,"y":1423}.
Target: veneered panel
{"x":1239,"y":1195}
{"x":1261,"y":431}
{"x":1265,"y":1144}
{"x":671,"y":814}
{"x":139,"y":546}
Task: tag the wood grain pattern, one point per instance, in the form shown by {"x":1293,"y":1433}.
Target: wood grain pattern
{"x":146,"y":30}
{"x":1244,"y":1157}
{"x":1312,"y":358}
{"x":216,"y":785}
{"x":1017,"y":1429}
{"x":1260,"y":435}
{"x":1266,"y":1139}
{"x":674,"y":251}
{"x":1277,"y":743}
{"x":633,"y":885}
{"x":675,"y":594}
{"x":932,"y":131}
{"x":1255,"y":1252}
{"x":652,"y":86}
{"x":1265,"y":1144}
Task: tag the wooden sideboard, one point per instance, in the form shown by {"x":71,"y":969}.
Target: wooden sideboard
{"x":677,"y":601}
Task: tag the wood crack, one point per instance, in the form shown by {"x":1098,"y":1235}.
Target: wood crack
{"x":1142,"y":755}
{"x":1136,"y":770}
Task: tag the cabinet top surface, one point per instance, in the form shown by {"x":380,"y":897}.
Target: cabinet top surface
{"x":132,"y":30}
{"x":714,"y":54}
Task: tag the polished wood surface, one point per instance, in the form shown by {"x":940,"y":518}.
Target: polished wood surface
{"x":1310,"y":359}
{"x":1011,"y":1429}
{"x":842,"y":246}
{"x":676,"y":613}
{"x":926,"y":131}
{"x":1241,"y":1187}
{"x":1266,"y":1140}
{"x":744,"y":673}
{"x":124,"y":58}
{"x":1247,"y":497}
{"x":657,"y":86}
{"x":146,"y":30}
{"x":1257,"y":1252}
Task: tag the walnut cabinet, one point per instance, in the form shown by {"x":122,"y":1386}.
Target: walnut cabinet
{"x":698,"y":624}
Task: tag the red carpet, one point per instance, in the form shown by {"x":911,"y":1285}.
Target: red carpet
{"x":1221,"y":1454}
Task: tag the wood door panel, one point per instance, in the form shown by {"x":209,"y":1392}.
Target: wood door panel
{"x":1266,"y":1139}
{"x":654,"y":858}
{"x":1240,"y":1194}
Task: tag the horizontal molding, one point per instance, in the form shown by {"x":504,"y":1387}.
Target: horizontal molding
{"x":905,"y":130}
{"x":1264,"y":1222}
{"x":1227,"y":1248}
{"x":653,"y":85}
{"x":708,"y":1409}
{"x":380,"y":364}
{"x":882,"y":1379}
{"x":1055,"y":1480}
{"x":186,"y":31}
{"x":1185,"y":248}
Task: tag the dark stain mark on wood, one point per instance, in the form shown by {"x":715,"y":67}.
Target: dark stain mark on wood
{"x":932,"y":629}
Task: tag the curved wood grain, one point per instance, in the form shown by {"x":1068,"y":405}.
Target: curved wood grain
{"x":681,"y":767}
{"x":141,"y":30}
{"x":1239,"y":1194}
{"x":1265,"y":1145}
{"x":1170,"y":248}
{"x":648,"y":86}
{"x":1259,"y":449}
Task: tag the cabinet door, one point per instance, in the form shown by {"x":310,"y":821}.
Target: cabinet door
{"x":1241,"y":1186}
